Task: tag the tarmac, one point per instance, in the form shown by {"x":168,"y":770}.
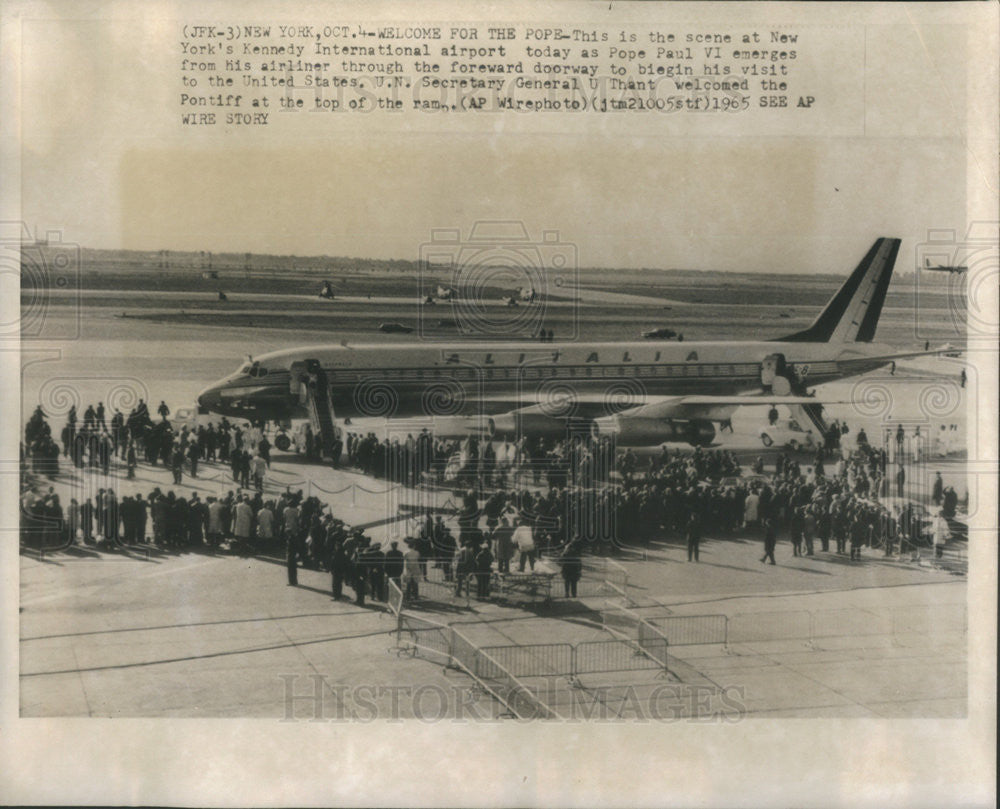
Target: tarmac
{"x":144,"y":633}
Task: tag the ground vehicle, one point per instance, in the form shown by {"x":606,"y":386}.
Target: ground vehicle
{"x":786,"y":433}
{"x":190,"y":417}
{"x":394,"y":328}
{"x":659,"y":334}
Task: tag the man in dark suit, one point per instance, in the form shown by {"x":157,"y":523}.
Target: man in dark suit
{"x":394,"y":564}
{"x":692,"y":532}
{"x":339,"y":565}
{"x":770,"y":540}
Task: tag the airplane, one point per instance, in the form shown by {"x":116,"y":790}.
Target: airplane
{"x":642,"y":393}
{"x":954,"y":270}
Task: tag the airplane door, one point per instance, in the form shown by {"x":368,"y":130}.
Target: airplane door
{"x":774,"y":374}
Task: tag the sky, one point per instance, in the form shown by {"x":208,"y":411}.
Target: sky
{"x":104,"y":160}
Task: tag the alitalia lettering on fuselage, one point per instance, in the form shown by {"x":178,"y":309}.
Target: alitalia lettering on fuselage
{"x":490,"y":358}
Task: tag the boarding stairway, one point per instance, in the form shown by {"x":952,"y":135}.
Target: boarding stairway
{"x":781,"y":379}
{"x":811,"y":413}
{"x":310,"y":382}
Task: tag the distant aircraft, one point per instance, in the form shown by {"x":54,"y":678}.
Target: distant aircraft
{"x":954,"y":270}
{"x":659,"y":334}
{"x":446,"y":293}
{"x":509,"y":300}
{"x":527,"y":294}
{"x":643,"y":394}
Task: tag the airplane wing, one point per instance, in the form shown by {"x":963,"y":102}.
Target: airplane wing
{"x":714,"y":408}
{"x":637,"y":405}
{"x":945,"y":351}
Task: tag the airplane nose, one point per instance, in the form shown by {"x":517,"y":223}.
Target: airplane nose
{"x":209,"y":399}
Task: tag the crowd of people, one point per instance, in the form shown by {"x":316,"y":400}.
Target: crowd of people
{"x":517,"y":501}
{"x":482,"y":464}
{"x":94,"y":442}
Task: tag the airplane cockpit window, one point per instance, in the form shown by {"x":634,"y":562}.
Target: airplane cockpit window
{"x":244,"y":369}
{"x":257,"y":370}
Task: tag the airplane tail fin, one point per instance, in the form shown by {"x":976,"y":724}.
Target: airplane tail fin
{"x":852,"y":314}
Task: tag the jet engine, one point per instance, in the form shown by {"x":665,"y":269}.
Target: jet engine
{"x":637,"y":431}
{"x":461,"y":426}
{"x":539,"y":424}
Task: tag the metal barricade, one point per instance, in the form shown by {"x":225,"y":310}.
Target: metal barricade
{"x":528,"y":589}
{"x":422,"y":637}
{"x":642,"y":635}
{"x":465,"y":653}
{"x":533,"y":660}
{"x":654,"y":644}
{"x":441,"y":591}
{"x":522,"y":701}
{"x":611,"y":655}
{"x":436,"y":641}
{"x":610,"y":588}
{"x":395,"y":598}
{"x":692,"y":630}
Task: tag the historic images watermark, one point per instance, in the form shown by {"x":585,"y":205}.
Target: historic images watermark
{"x":314,"y":698}
{"x":497,"y":282}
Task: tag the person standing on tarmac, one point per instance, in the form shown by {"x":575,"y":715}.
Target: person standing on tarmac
{"x":394,"y":564}
{"x":483,"y":566}
{"x":411,"y":571}
{"x":809,"y":526}
{"x":376,"y":571}
{"x":290,"y":523}
{"x":359,"y":568}
{"x":177,"y":463}
{"x":692,"y":532}
{"x":571,"y":562}
{"x":339,"y":564}
{"x":770,"y":540}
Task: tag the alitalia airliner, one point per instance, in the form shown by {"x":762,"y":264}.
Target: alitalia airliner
{"x":644,"y":393}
